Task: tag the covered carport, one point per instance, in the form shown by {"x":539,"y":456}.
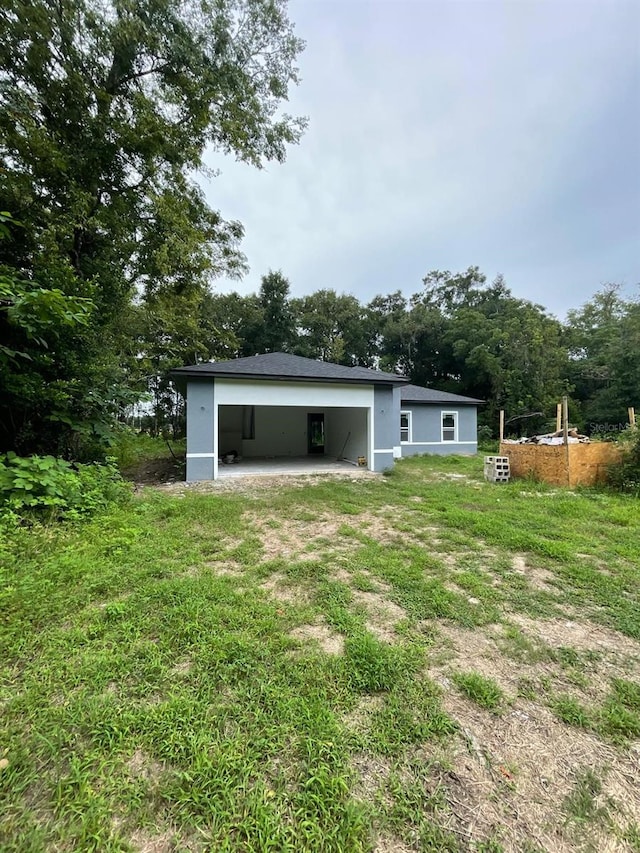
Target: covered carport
{"x":280,"y":420}
{"x":283,"y":407}
{"x":312,"y":436}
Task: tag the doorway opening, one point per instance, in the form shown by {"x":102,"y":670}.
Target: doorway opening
{"x":315,"y":432}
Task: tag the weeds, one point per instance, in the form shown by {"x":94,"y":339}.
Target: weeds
{"x":480,"y":689}
{"x":616,"y":719}
{"x":582,"y":805}
{"x":572,"y":712}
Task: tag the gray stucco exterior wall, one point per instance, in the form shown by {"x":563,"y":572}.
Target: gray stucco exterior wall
{"x":202,"y":445}
{"x":200,"y":430}
{"x":385,"y":427}
{"x":426,"y":429}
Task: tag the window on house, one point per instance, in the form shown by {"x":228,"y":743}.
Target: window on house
{"x":405,"y":426}
{"x":248,"y":421}
{"x":449,"y":426}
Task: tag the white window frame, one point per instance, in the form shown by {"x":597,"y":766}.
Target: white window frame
{"x":408,"y":413}
{"x":444,"y":440}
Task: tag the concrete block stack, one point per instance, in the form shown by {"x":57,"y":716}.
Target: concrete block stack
{"x":496,"y":469}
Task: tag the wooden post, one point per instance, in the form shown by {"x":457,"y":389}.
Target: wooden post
{"x":632,"y":416}
{"x":565,"y":435}
{"x":501,"y":425}
{"x":558,"y":417}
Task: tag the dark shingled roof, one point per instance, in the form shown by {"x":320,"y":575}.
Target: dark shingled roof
{"x":281,"y":365}
{"x":416,"y":394}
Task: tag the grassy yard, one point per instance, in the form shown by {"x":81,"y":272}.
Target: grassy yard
{"x":416,"y":662}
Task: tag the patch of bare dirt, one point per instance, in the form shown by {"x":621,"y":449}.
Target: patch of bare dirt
{"x":342,"y":576}
{"x":182,"y":667}
{"x":537,"y":577}
{"x":510,"y":776}
{"x":250,"y":484}
{"x":319,"y":633}
{"x":225,"y":568}
{"x":156,"y":472}
{"x":379,"y":525}
{"x":583,"y":636}
{"x":452,"y":586}
{"x":450,"y":560}
{"x":385,"y":844}
{"x":482,"y":650}
{"x":142,"y":766}
{"x":372,"y":775}
{"x":313,"y":539}
{"x":359,"y":718}
{"x":382,"y":525}
{"x":278,"y":587}
{"x":144,"y":841}
{"x":298,"y":539}
{"x":451,"y":476}
{"x":284,"y":770}
{"x":473,"y":650}
{"x":369,"y":580}
{"x":382,"y":614}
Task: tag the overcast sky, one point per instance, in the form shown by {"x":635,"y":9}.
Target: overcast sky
{"x":453,"y":133}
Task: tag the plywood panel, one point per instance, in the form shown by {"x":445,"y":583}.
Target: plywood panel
{"x":588,"y":463}
{"x":584,"y":465}
{"x":544,"y":462}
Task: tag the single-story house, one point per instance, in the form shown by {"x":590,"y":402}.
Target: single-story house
{"x":434,"y":421}
{"x":280,"y":405}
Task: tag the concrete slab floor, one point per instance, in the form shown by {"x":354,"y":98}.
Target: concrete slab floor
{"x":283,"y":465}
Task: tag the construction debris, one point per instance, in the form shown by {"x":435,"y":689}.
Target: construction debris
{"x":552,"y":438}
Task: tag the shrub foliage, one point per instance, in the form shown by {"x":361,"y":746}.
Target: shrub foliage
{"x":626,"y":475}
{"x":40,"y":486}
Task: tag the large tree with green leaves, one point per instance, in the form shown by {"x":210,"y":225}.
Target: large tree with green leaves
{"x":106,"y":110}
{"x":273,"y":326}
{"x":603,"y":337}
{"x":334,"y":327}
{"x":460,"y":334}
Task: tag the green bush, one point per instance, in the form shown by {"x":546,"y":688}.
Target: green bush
{"x":46,"y":486}
{"x":485,"y":434}
{"x":625,"y":476}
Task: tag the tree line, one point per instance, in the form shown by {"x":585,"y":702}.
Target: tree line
{"x":108,"y":247}
{"x":456,"y":333}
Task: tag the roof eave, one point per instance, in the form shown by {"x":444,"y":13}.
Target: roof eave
{"x":182,"y":372}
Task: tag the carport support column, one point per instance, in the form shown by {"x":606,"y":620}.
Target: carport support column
{"x":397,"y":407}
{"x":202,"y":431}
{"x":385,"y":436}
